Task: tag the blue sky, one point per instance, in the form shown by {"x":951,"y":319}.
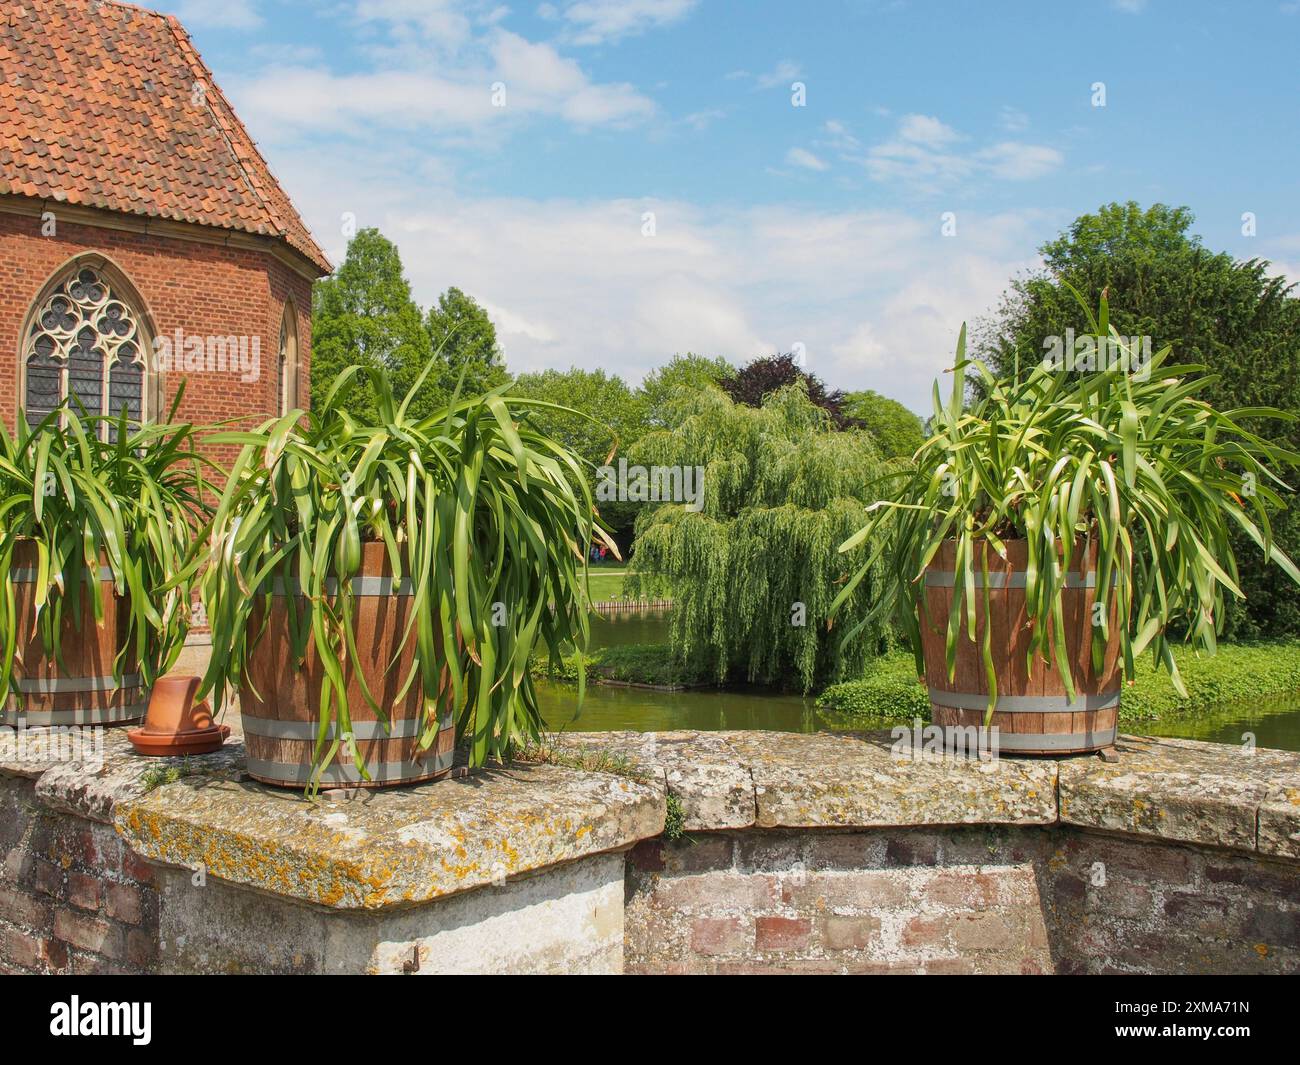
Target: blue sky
{"x":774,"y":224}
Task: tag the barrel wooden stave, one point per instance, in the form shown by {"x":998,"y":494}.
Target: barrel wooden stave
{"x":1066,"y":730}
{"x":44,"y":693}
{"x":279,"y":702}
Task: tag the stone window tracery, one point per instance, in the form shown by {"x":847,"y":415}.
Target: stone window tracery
{"x":85,"y":341}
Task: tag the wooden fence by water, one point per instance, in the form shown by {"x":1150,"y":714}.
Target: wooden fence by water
{"x":615,"y":606}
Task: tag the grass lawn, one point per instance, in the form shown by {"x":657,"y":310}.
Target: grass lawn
{"x":1238,"y":672}
{"x":606,"y":583}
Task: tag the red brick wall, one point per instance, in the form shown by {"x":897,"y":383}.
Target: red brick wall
{"x":73,"y":897}
{"x":203,"y":289}
{"x":983,"y":899}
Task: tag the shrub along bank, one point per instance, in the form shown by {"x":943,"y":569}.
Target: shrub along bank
{"x":1238,"y":672}
{"x":637,"y":663}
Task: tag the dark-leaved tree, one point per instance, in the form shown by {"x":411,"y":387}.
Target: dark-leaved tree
{"x":760,"y":377}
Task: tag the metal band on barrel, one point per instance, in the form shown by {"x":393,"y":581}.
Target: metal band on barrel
{"x":1002,"y":579}
{"x":28,"y":576}
{"x":1039,"y":741}
{"x":366,"y":586}
{"x":361,"y":730}
{"x":1025,"y":704}
{"x":338,"y":773}
{"x":54,"y":685}
{"x":88,"y":715}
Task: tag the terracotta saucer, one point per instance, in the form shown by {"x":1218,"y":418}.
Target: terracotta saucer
{"x":172,"y":744}
{"x":175,"y":724}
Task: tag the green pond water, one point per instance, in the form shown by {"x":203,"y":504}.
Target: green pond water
{"x":608,"y":708}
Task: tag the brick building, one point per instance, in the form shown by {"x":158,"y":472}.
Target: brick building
{"x":143,"y":238}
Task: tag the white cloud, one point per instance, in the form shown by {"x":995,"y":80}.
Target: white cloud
{"x":786,"y":71}
{"x":1284,"y":268}
{"x":928,"y":154}
{"x":1129,"y":7}
{"x":926,"y":130}
{"x":444,"y":22}
{"x":702,"y":120}
{"x":1012,"y":119}
{"x":1019,"y":162}
{"x":839,"y":140}
{"x":876,"y":297}
{"x":607,"y":21}
{"x":218,"y":14}
{"x":452,"y":96}
{"x":801,"y":157}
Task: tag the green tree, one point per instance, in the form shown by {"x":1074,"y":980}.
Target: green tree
{"x":666,"y":388}
{"x":896,"y":430}
{"x":753,"y":573}
{"x":620,"y":421}
{"x":1216,"y":311}
{"x":364,"y":315}
{"x":466,"y":341}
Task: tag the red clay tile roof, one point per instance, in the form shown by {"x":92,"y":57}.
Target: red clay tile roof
{"x":98,"y":107}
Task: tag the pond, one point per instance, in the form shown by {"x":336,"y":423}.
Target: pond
{"x":1273,"y":723}
{"x":609,"y":708}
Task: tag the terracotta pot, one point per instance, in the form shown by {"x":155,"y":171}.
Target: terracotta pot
{"x":1033,"y":714}
{"x":279,"y":702}
{"x":86,"y":693}
{"x":175,"y":724}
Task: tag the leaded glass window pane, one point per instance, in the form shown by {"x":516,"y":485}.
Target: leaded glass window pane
{"x":44,"y":381}
{"x":286,"y":370}
{"x":86,"y":378}
{"x":85,"y":342}
{"x":125,"y":387}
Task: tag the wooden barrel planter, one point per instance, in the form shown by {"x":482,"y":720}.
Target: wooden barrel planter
{"x":83,"y":690}
{"x":279,"y":703}
{"x":1033,"y":714}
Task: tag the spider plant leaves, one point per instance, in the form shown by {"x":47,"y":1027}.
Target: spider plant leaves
{"x":472,"y":505}
{"x":90,"y":491}
{"x":1134,"y":465}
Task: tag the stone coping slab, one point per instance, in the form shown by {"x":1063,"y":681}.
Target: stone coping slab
{"x":407,"y":845}
{"x":1181,"y":790}
{"x":830,"y":780}
{"x":391,"y":846}
{"x":367,"y":850}
{"x":1217,"y":794}
{"x":762,"y":779}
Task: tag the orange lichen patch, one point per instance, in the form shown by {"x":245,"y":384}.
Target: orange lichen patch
{"x":406,"y":845}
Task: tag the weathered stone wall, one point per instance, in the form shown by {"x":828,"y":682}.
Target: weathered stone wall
{"x":955,"y":900}
{"x":566,"y":919}
{"x":801,"y":854}
{"x":74,"y":898}
{"x":105,"y":870}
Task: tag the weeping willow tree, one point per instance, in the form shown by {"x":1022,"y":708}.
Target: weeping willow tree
{"x":753,"y":572}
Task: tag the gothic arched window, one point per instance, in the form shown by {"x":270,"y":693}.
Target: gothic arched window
{"x":87,"y":339}
{"x":286,"y":381}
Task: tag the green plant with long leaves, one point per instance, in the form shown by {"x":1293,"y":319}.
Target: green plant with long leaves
{"x":471,"y":502}
{"x":1133,"y":463}
{"x":86,"y":491}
